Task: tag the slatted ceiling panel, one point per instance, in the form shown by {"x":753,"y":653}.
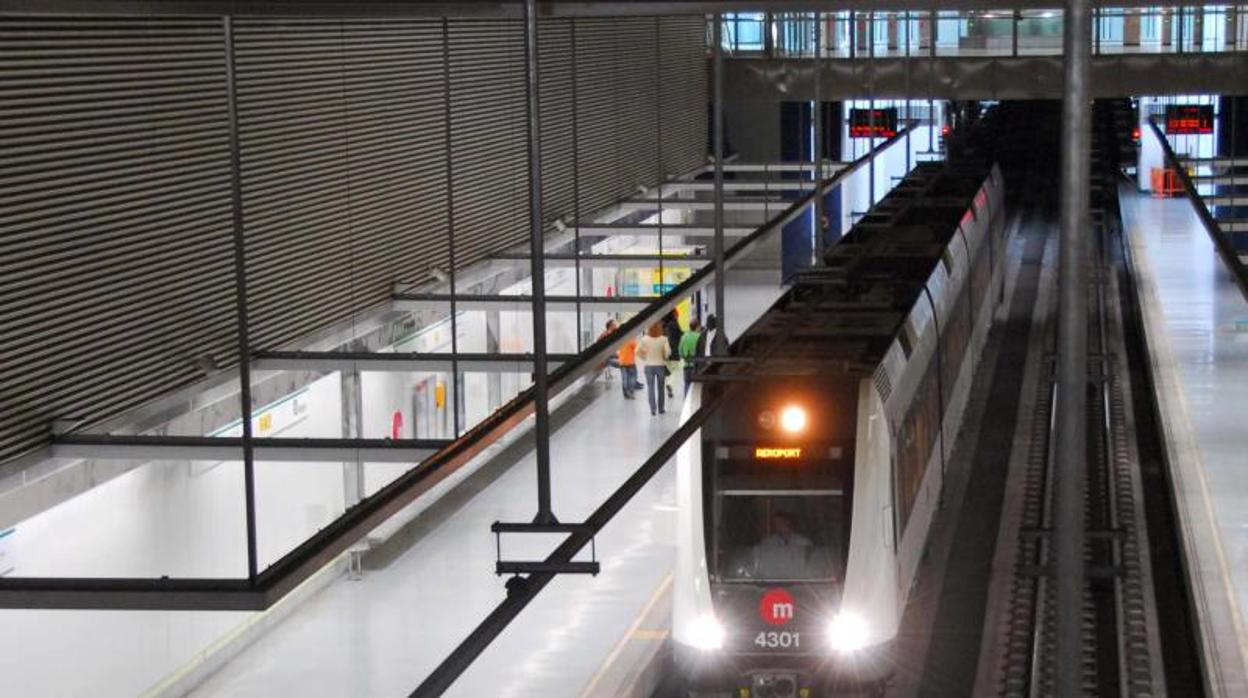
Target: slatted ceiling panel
{"x":636,"y":102}
{"x":116,"y":223}
{"x":344,"y":174}
{"x":115,"y":220}
{"x":488,"y":136}
{"x":595,"y":75}
{"x":684,"y":93}
{"x":397,"y":146}
{"x":558,"y":107}
{"x":292,"y":116}
{"x":617,"y":93}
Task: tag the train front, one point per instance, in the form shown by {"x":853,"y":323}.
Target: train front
{"x":766,"y":510}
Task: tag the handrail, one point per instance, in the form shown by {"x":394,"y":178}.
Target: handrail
{"x":1225,"y":250}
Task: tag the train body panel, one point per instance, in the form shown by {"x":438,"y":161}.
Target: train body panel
{"x":797,"y":550}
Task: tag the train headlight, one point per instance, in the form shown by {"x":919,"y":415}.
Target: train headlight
{"x":848,"y":632}
{"x":706,"y":633}
{"x":793,"y":419}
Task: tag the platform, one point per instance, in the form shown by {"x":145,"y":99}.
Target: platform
{"x":1196,"y":323}
{"x":383,"y":634}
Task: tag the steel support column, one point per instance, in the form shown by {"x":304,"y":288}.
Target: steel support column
{"x":1072,"y":370}
{"x":817,"y":117}
{"x":588,"y":281}
{"x":541,"y":414}
{"x":450,"y":224}
{"x":240,"y":290}
{"x":719,"y":344}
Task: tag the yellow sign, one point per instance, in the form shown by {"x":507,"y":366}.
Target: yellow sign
{"x":777,"y":453}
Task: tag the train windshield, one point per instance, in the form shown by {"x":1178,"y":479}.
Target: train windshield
{"x":780,"y":536}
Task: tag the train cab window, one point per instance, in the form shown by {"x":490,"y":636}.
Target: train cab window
{"x":785,"y":536}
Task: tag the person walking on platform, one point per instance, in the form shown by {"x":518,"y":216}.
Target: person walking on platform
{"x":689,"y":350}
{"x":708,"y":334}
{"x":627,"y":357}
{"x":673,"y":332}
{"x":612,"y":361}
{"x":654,"y":351}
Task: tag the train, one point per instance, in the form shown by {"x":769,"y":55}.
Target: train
{"x":805,"y":499}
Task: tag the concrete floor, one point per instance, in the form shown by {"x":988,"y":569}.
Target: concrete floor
{"x":1196,"y":321}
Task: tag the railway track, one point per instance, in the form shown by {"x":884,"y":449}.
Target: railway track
{"x":1121,"y":647}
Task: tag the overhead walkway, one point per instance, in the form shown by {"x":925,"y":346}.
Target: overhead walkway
{"x":1001,"y":53}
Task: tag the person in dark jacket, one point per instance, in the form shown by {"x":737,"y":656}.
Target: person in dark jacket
{"x":673,"y":332}
{"x":704,"y":342}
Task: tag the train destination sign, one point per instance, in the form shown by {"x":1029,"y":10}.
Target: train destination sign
{"x":1189,"y":118}
{"x":777,"y":452}
{"x":873,"y":123}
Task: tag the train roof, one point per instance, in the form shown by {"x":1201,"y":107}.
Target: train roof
{"x":845,"y":315}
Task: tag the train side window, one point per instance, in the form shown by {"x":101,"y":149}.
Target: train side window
{"x":906,"y":339}
{"x":947,"y":259}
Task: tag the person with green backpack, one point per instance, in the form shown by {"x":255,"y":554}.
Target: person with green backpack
{"x":689,"y":349}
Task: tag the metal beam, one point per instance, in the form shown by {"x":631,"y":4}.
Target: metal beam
{"x":1072,"y":353}
{"x":719,"y":343}
{"x":508,"y":10}
{"x":1225,"y":199}
{"x":611,"y":261}
{"x":537,"y":260}
{"x":639,"y":230}
{"x":1212,"y":162}
{"x":1237,"y":225}
{"x":162,"y":594}
{"x":763,"y":185}
{"x":764,"y":167}
{"x":326,"y":361}
{"x":752,"y":204}
{"x":439,"y":301}
{"x":212,"y":448}
{"x":1232,"y":180}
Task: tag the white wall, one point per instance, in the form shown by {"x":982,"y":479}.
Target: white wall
{"x":171,"y":518}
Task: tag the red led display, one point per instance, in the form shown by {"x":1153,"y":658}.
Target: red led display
{"x":1189,"y":118}
{"x":873,"y":123}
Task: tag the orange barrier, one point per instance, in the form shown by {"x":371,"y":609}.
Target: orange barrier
{"x":1165,"y":182}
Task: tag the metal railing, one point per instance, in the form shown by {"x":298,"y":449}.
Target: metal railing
{"x":974,"y":33}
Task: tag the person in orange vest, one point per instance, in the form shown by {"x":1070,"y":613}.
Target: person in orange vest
{"x":627,"y":356}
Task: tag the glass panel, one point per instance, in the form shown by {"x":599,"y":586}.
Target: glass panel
{"x":151,"y":519}
{"x":744,"y":32}
{"x":294,"y":500}
{"x":1040,"y":32}
{"x":780,"y":537}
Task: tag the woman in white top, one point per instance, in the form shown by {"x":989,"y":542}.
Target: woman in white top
{"x":653,"y":350}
